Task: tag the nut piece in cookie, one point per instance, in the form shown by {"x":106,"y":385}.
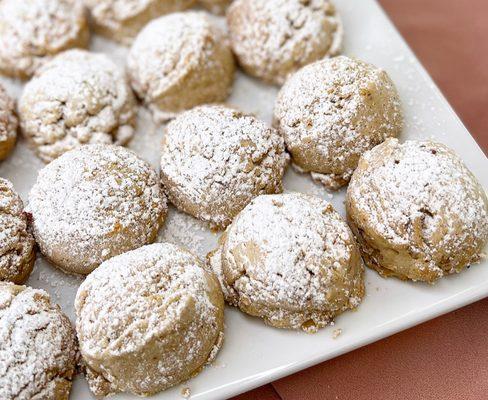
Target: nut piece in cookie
{"x":290,"y":259}
{"x":38,"y":347}
{"x":148,"y":320}
{"x":331,"y":112}
{"x":93,"y":203}
{"x":417,"y":211}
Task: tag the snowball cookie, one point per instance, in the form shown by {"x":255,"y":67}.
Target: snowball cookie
{"x":334,"y":110}
{"x":215,"y":160}
{"x":32,"y":31}
{"x":8,"y":124}
{"x":147,"y":320}
{"x":77,"y":98}
{"x":291,"y":260}
{"x":273,"y":38}
{"x":94,"y":203}
{"x":17,"y":253}
{"x":215,"y":6}
{"x":417,"y":211}
{"x":179,"y":61}
{"x":121,"y":20}
{"x":38,"y":348}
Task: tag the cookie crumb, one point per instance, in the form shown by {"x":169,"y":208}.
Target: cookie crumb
{"x":336,"y":333}
{"x":186,"y":392}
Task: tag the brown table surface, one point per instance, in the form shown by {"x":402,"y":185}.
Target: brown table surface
{"x":446,"y":358}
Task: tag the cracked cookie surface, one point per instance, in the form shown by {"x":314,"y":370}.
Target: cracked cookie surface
{"x":8,"y":124}
{"x":38,"y":348}
{"x":78,"y":98}
{"x":291,"y":260}
{"x":417,"y":211}
{"x":216,"y":159}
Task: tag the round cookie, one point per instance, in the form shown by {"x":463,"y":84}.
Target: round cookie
{"x":417,"y":211}
{"x":331,"y":112}
{"x":38,"y":348}
{"x":274,"y":38}
{"x":94,"y":203}
{"x":216,"y":6}
{"x":32,"y":31}
{"x":180,"y":61}
{"x":291,"y":260}
{"x":216,"y":159}
{"x":147,"y":320}
{"x":77,"y":98}
{"x":122,"y":20}
{"x":17,"y":251}
{"x":8,"y":124}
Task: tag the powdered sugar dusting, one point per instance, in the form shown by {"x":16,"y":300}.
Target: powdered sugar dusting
{"x":146,"y":295}
{"x":276,"y":37}
{"x":38,"y":351}
{"x":77,"y":98}
{"x":420,"y":194}
{"x":292,"y":255}
{"x":35,"y":30}
{"x":328,"y":126}
{"x":8,"y":120}
{"x":216,"y":159}
{"x":93,"y":203}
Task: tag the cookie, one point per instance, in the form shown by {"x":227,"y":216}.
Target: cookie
{"x":17,"y":251}
{"x":215,"y":160}
{"x":38,"y":347}
{"x":8,"y":124}
{"x":274,"y":38}
{"x":121,"y":20}
{"x":94,"y":203}
{"x":216,"y":6}
{"x":33,"y":31}
{"x":331,"y":112}
{"x":77,"y":98}
{"x":417,"y":211}
{"x":180,"y":61}
{"x":290,"y":259}
{"x":147,"y":320}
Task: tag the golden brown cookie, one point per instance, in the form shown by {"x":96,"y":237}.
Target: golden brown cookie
{"x":274,"y":38}
{"x":180,"y":61}
{"x":147,"y":320}
{"x":215,"y":160}
{"x":33,"y":31}
{"x":417,"y":211}
{"x":38,"y":347}
{"x":332,"y":111}
{"x":8,"y":124}
{"x":291,"y":260}
{"x":93,"y":203}
{"x":17,"y":247}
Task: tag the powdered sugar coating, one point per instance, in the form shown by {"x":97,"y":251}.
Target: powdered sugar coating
{"x":32,"y":31}
{"x":290,"y":259}
{"x":216,"y":6}
{"x":17,"y":252}
{"x":77,"y":98}
{"x":38,"y":349}
{"x":8,"y":124}
{"x":273,"y":38}
{"x":148,"y":319}
{"x":216,"y":159}
{"x":180,"y":61}
{"x":417,"y":200}
{"x":93,"y":203}
{"x":332,"y":111}
{"x":123,"y":19}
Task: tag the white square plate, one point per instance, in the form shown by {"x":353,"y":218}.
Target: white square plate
{"x":254,"y":354}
